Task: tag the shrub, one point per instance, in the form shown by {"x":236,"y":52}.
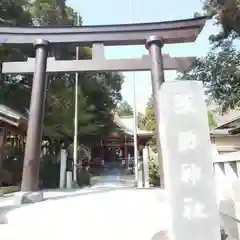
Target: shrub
{"x":154,"y":176}
{"x":49,"y":173}
{"x":83,"y":177}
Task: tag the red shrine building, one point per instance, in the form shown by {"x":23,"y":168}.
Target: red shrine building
{"x":119,"y":145}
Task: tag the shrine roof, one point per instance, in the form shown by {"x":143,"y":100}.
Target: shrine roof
{"x":126,"y":123}
{"x":10,"y":116}
{"x":18,"y":120}
{"x":231,"y":127}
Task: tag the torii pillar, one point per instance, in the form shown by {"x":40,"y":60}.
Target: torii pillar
{"x":30,"y":176}
{"x":154,"y":45}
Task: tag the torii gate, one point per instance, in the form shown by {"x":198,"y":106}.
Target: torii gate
{"x":153,"y":35}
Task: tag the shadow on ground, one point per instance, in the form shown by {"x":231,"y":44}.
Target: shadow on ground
{"x":67,"y":193}
{"x":71,"y":193}
{"x":77,"y":194}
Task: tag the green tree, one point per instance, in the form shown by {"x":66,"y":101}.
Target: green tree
{"x":12,"y":12}
{"x":150,"y":124}
{"x":53,"y":13}
{"x":124,"y":109}
{"x":99,"y":93}
{"x":218,"y":71}
{"x":211,"y":120}
{"x":140,"y":117}
{"x":227,"y":16}
{"x":15,"y":12}
{"x":227,"y":13}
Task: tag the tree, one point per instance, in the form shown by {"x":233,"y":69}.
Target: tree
{"x":12,"y":12}
{"x":54,"y":13}
{"x":99,"y":93}
{"x":150,"y":124}
{"x":15,"y":12}
{"x":227,"y":13}
{"x":124,"y":109}
{"x":149,"y":119}
{"x":218,"y":71}
{"x":211,"y":120}
{"x":140,"y":118}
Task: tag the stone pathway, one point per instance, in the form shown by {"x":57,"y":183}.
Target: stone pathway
{"x":108,"y":210}
{"x":108,"y":182}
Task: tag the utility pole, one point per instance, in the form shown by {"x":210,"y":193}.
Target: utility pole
{"x":75,"y":141}
{"x":134,"y":110}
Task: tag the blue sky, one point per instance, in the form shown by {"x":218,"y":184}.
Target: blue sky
{"x":97,"y":12}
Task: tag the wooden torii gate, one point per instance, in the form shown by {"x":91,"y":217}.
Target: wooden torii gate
{"x":153,"y":36}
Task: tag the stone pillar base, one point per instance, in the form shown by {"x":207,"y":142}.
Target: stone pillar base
{"x":146,"y":185}
{"x":69,"y":181}
{"x":139,"y":184}
{"x":28,"y":197}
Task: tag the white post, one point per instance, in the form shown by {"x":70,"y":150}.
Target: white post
{"x":231,"y":170}
{"x":75,"y":141}
{"x":135,"y":139}
{"x":238,"y":168}
{"x":128,"y":161}
{"x":63,"y":167}
{"x":140,"y":174}
{"x":69,"y":179}
{"x":145,"y":167}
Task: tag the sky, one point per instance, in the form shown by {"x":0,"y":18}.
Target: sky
{"x":98,"y":12}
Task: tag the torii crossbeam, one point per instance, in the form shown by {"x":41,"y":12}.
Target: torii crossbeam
{"x":99,"y":64}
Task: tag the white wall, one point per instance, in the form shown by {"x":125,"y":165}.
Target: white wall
{"x":227,"y":175}
{"x":226,"y":143}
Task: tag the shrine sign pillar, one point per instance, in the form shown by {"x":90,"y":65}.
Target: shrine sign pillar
{"x":187,"y":158}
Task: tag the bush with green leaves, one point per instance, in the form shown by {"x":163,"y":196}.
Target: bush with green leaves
{"x":49,"y":173}
{"x":83,"y":178}
{"x":154,"y":176}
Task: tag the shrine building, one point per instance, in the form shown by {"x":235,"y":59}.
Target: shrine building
{"x":119,"y":144}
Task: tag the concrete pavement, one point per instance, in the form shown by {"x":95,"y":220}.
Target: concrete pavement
{"x":107,"y":210}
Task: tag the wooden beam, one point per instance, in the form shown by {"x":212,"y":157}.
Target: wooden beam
{"x":95,"y":65}
{"x":112,"y":35}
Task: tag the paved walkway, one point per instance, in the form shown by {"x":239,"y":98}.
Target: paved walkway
{"x":109,"y":210}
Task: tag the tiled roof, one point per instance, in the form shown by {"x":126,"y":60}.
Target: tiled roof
{"x":10,"y":116}
{"x":127,"y":125}
{"x":230,"y":124}
{"x":15,"y":118}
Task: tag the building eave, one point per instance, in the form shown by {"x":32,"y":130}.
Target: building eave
{"x":16,"y":119}
{"x":118,"y":121}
